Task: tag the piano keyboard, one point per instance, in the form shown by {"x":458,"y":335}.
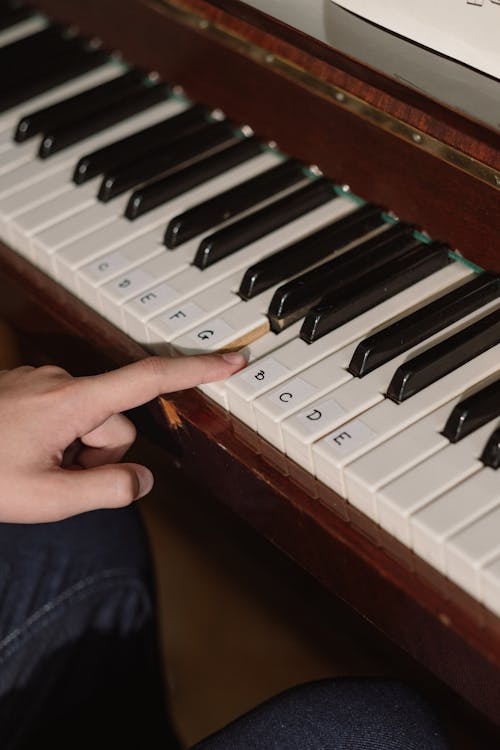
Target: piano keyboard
{"x":374,"y":353}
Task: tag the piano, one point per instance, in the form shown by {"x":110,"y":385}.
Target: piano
{"x":341,"y":226}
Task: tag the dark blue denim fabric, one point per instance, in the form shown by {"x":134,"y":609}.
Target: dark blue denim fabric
{"x":78,"y":658}
{"x":342,"y":714}
{"x":80,"y":667}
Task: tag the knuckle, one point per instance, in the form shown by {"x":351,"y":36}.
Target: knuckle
{"x":153,"y":367}
{"x":53,"y":371}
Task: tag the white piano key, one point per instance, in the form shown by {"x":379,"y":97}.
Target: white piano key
{"x":490,"y":585}
{"x":5,"y":138}
{"x":38,"y":169}
{"x":106,"y":267}
{"x":140,"y":312}
{"x":22,"y":29}
{"x":69,"y":231}
{"x":190,"y":281}
{"x":439,"y":472}
{"x":99,"y":271}
{"x":304,"y":427}
{"x":280,"y":402}
{"x":388,"y":418}
{"x":58,"y":209}
{"x":158,"y":270}
{"x":28,"y":198}
{"x":18,"y":154}
{"x":357,"y":395}
{"x":243,"y":323}
{"x":259,"y":348}
{"x":473,"y":548}
{"x":448,"y":514}
{"x":108,"y":230}
{"x":366,"y":475}
{"x":244,"y":387}
{"x":117,"y":230}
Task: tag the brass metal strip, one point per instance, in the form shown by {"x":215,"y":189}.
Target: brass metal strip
{"x":334,"y":93}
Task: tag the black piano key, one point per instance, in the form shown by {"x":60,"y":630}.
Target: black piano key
{"x":491,"y":453}
{"x":140,"y":143}
{"x":35,"y":49}
{"x":163,"y":160}
{"x":263,"y":221}
{"x":473,"y":412}
{"x":232,"y":202}
{"x":444,"y":357}
{"x":76,"y":60}
{"x":409,"y":331}
{"x":144,"y":97}
{"x":295,"y":298}
{"x":298,"y":256}
{"x":81,"y":105}
{"x":374,"y":287}
{"x":12,"y":13}
{"x":159,"y":191}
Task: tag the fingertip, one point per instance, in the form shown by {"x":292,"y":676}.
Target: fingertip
{"x":237,"y":360}
{"x":145,"y":481}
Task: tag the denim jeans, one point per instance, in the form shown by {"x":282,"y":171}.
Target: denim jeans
{"x":79,"y":662}
{"x":80,"y":665}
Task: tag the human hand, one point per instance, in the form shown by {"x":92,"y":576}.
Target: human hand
{"x":61,"y":437}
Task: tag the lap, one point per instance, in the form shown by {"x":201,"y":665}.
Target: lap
{"x":77,"y":625}
{"x":339,"y":714}
{"x":79,"y":663}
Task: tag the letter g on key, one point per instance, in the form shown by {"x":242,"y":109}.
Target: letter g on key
{"x":205,"y":335}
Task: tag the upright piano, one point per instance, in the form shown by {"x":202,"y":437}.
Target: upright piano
{"x":384,"y":204}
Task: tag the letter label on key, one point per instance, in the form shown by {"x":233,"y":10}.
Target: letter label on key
{"x":342,"y":436}
{"x":149,"y":297}
{"x":311,"y":420}
{"x":296,"y":389}
{"x":106,"y":266}
{"x":206,"y":334}
{"x":216,"y":331}
{"x":263,"y":372}
{"x":177,"y":319}
{"x":348,"y":438}
{"x":154,"y":298}
{"x":314,"y":415}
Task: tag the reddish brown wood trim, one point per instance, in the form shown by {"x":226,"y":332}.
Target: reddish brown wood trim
{"x":326,"y":63}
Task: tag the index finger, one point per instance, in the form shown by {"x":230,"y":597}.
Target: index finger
{"x":140,"y":382}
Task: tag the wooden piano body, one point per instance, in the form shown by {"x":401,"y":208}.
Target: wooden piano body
{"x":431,"y":166}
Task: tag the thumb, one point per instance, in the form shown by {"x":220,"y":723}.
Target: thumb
{"x":108,"y":486}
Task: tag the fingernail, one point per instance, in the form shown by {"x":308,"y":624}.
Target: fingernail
{"x":145,"y":480}
{"x":234,"y":358}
